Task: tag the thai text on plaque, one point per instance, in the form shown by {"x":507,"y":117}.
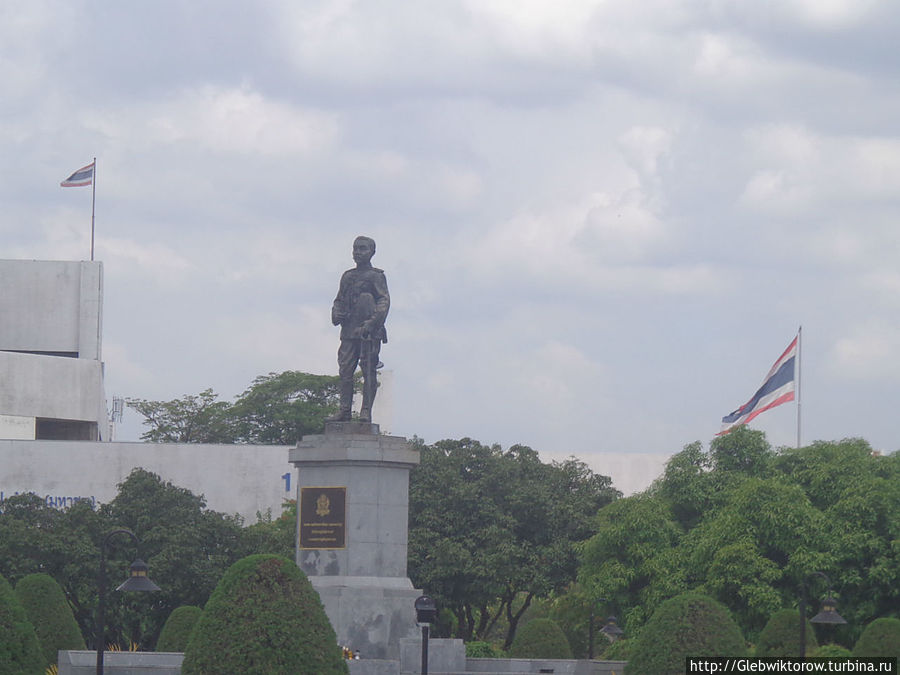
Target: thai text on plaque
{"x":323,"y":521}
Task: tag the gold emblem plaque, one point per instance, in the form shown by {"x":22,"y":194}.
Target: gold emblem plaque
{"x":323,"y":521}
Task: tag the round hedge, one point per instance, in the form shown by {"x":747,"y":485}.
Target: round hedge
{"x":49,"y":612}
{"x":177,"y":630}
{"x":540,"y":639}
{"x":20,"y":651}
{"x":690,"y":624}
{"x":263,"y":618}
{"x":879,"y":638}
{"x":781,"y":636}
{"x":832,"y":651}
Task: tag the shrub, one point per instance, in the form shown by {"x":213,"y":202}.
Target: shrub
{"x":177,"y":630}
{"x":540,"y":639}
{"x":264,"y":617}
{"x":880,"y":638}
{"x":49,"y":612}
{"x":690,"y":624}
{"x":620,"y":650}
{"x":20,"y":651}
{"x":781,"y":635}
{"x":832,"y":651}
{"x":480,"y":650}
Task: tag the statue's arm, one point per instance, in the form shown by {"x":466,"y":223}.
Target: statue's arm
{"x":382,"y":298}
{"x":340,"y":309}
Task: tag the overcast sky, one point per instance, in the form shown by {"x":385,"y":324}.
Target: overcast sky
{"x":601,"y":221}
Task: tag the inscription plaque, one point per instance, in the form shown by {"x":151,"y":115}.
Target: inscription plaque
{"x":323,"y":517}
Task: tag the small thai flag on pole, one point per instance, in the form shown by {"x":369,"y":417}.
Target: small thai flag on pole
{"x":81,"y":178}
{"x":777,"y":388}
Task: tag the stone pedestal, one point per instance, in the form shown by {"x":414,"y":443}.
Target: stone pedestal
{"x":354,"y":552}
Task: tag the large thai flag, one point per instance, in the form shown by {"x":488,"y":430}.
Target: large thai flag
{"x":84,"y":176}
{"x":777,"y":388}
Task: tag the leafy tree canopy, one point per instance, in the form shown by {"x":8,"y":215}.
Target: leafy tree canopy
{"x":746,"y":524}
{"x":490,"y":530}
{"x":276,"y":409}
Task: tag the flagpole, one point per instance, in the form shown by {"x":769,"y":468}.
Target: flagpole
{"x":799,"y":378}
{"x":93,"y":199}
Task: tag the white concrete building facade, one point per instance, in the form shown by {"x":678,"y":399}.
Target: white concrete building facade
{"x":51,"y":368}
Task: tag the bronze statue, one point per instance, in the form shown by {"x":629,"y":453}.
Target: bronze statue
{"x":360,"y":308}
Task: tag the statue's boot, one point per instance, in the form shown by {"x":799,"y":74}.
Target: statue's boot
{"x":343,"y":414}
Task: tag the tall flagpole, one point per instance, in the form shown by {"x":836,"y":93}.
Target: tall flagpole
{"x":93,"y":199}
{"x":799,"y":378}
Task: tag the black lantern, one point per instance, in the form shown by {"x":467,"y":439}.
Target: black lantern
{"x":611,"y":630}
{"x":828,"y":614}
{"x":136,"y":581}
{"x":426,"y":614}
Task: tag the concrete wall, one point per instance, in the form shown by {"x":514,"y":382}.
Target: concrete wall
{"x":243,"y":479}
{"x":51,"y":306}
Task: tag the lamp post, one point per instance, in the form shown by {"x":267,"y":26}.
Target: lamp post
{"x":137,"y":581}
{"x":426,"y":614}
{"x":610,"y":629}
{"x":827,"y":615}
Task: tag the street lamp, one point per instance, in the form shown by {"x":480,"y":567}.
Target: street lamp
{"x":426,"y":614}
{"x":136,"y":581}
{"x":611,"y":629}
{"x":827,"y":615}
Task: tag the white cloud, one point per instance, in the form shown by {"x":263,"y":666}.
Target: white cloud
{"x":868,"y":353}
{"x":234,"y":120}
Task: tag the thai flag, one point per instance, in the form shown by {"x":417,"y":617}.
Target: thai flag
{"x":84,"y":176}
{"x":777,"y":388}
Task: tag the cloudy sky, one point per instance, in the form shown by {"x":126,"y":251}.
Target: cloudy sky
{"x":601,"y":221}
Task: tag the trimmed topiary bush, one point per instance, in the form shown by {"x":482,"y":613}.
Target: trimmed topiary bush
{"x":263,"y":618}
{"x":832,"y":651}
{"x":880,"y":638}
{"x":781,"y":635}
{"x":540,"y":639}
{"x":177,"y":630}
{"x":20,"y":651}
{"x":49,"y":612}
{"x":690,"y":624}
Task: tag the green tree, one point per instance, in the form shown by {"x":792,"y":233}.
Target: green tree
{"x":690,"y":624}
{"x":46,"y":608}
{"x":540,"y":639}
{"x":187,"y":547}
{"x":276,"y":409}
{"x":280,"y":408}
{"x":20,"y":651}
{"x":197,"y":418}
{"x":781,"y":635}
{"x":629,"y":560}
{"x":263,"y":618}
{"x":491,"y":530}
{"x":177,"y":630}
{"x":37,"y":538}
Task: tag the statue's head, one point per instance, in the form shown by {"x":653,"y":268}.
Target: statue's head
{"x":363,"y":249}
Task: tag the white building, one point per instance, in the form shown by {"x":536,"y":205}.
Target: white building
{"x":50,"y":350}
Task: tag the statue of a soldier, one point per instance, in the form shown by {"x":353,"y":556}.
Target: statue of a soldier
{"x":360,"y":308}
